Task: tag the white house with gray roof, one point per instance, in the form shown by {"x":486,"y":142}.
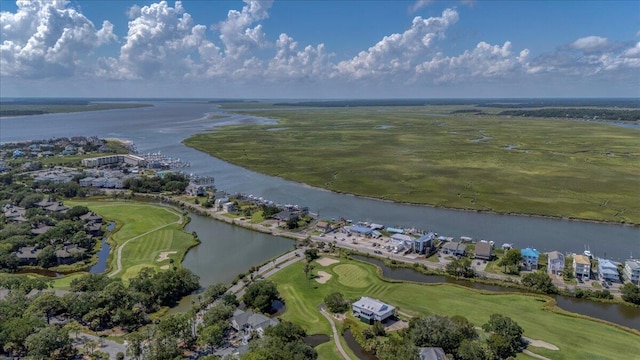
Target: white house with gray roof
{"x":369,"y":310}
{"x":632,"y":271}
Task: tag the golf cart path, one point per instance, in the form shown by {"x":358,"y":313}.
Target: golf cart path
{"x":336,"y":336}
{"x":119,"y":254}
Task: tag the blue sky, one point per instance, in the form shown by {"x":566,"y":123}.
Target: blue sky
{"x":320,"y":49}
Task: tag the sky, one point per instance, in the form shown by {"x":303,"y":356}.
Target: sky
{"x":320,"y":49}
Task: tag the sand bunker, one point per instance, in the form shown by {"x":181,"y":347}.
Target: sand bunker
{"x":324,"y":277}
{"x":164,"y":267}
{"x":327,"y":261}
{"x":541,"y":344}
{"x":165,"y":255}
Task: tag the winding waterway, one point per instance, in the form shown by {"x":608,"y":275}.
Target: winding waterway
{"x":163,"y":127}
{"x":616,"y":313}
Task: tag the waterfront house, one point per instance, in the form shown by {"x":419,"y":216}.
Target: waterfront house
{"x":581,"y":267}
{"x":484,"y":250}
{"x":91,"y":217}
{"x":229,"y":207}
{"x":530,"y":258}
{"x":248,"y":322}
{"x":608,"y":271}
{"x":323,"y":226}
{"x":219,"y":202}
{"x":370,"y":310}
{"x":194,"y":189}
{"x":393,"y":230}
{"x":432,"y":353}
{"x":402,"y":238}
{"x":555,"y":263}
{"x":631,"y":271}
{"x":424,"y":244}
{"x":69,"y":254}
{"x":361,"y":230}
{"x":454,"y":248}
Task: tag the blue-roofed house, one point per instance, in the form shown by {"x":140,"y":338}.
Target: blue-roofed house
{"x":607,"y":270}
{"x":395,"y":230}
{"x":424,"y":244}
{"x":530,"y":258}
{"x":362,"y":230}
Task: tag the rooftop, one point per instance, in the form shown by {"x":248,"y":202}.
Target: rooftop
{"x":529,"y":252}
{"x":581,"y":259}
{"x":374,"y":305}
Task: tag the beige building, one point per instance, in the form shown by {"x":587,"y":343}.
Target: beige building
{"x":581,"y":267}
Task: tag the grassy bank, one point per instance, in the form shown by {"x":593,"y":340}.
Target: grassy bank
{"x":545,"y":167}
{"x":577,"y":338}
{"x":154,"y":230}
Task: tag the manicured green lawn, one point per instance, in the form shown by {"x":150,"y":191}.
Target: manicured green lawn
{"x":156,"y":229}
{"x":423,"y":155}
{"x":577,"y":338}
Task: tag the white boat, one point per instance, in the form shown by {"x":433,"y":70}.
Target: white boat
{"x":587,"y":252}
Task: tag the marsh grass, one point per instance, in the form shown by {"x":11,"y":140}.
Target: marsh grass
{"x":549,"y":167}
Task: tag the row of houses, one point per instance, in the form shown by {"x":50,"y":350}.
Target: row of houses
{"x":607,"y":270}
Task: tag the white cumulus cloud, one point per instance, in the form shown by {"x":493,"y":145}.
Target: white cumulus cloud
{"x":484,"y":61}
{"x":293,"y":63}
{"x":236,"y":33}
{"x":48,"y":39}
{"x":590,"y":43}
{"x":160,"y":42}
{"x":399,"y":53}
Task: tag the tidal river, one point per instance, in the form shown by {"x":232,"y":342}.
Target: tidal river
{"x":163,"y":127}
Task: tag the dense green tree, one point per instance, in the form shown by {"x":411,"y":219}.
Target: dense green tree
{"x":211,"y":336}
{"x":438,"y":331}
{"x":77,"y":211}
{"x":260,"y":295}
{"x":286,"y":331}
{"x":460,"y":267}
{"x":472,"y":350}
{"x":311,"y":254}
{"x":218,"y":313}
{"x":274,"y":348}
{"x":231,"y":299}
{"x":135,"y":344}
{"x":539,"y":281}
{"x":214,"y":291}
{"x":50,"y":342}
{"x":336,"y":302}
{"x":47,"y":305}
{"x":506,"y":339}
{"x":630,"y":293}
{"x":511,"y":260}
{"x":177,"y":326}
{"x":397,"y":348}
{"x":47,"y":257}
{"x":30,"y":201}
{"x":14,"y":332}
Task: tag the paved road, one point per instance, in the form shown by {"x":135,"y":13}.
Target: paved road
{"x":336,"y":336}
{"x":104,"y":345}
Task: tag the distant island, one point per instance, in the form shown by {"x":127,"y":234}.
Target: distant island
{"x":38,"y":106}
